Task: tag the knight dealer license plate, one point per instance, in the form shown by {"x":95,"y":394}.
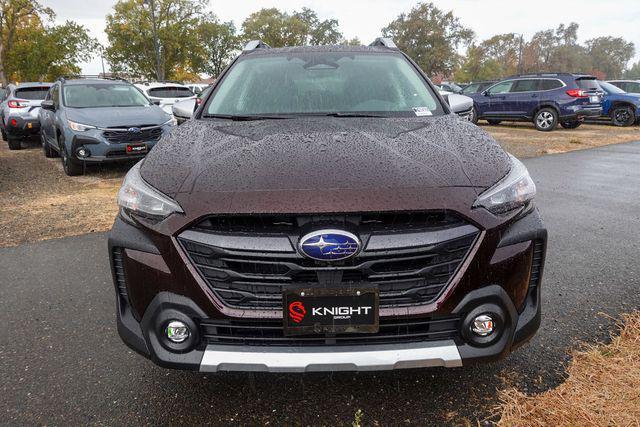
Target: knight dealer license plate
{"x":330,"y":311}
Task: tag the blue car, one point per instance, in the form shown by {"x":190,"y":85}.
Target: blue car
{"x":622,"y":108}
{"x":88,"y":121}
{"x":546,"y":99}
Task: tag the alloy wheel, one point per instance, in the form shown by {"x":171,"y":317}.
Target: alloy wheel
{"x":622,"y":116}
{"x":545,"y":120}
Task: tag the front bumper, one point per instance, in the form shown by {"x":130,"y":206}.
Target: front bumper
{"x":141,"y":256}
{"x":102,"y":151}
{"x":329,"y":359}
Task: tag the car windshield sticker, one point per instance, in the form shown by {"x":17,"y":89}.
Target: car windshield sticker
{"x":422,"y":111}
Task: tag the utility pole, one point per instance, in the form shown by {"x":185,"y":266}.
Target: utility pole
{"x":156,"y":43}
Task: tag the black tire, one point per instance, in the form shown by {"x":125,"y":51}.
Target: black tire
{"x":474,"y":116}
{"x":4,"y":135}
{"x":623,"y":116}
{"x":571,"y":124}
{"x":49,"y":152}
{"x":494,"y":122}
{"x":14,"y":144}
{"x":546,"y":119}
{"x":71,"y":166}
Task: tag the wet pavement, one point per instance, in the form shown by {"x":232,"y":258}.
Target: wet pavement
{"x":61,"y":361}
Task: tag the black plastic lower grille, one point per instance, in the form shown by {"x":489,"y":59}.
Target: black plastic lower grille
{"x":255,"y":280}
{"x":270,"y":333}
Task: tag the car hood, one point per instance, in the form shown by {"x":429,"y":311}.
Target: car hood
{"x":222,"y":163}
{"x":118,"y":116}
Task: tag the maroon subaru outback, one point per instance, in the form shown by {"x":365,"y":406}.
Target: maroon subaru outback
{"x":326,"y":210}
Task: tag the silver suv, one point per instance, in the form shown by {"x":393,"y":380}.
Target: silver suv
{"x":19,"y":112}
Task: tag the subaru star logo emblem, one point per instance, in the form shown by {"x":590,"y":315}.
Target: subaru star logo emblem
{"x":134,"y":130}
{"x":329,"y":245}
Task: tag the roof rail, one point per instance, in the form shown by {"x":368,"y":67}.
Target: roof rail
{"x":384,"y":41}
{"x":90,"y":76}
{"x":255,"y":44}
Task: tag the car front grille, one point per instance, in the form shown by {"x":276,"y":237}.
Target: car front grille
{"x":271,"y":333}
{"x":120,"y":136}
{"x":247,"y":269}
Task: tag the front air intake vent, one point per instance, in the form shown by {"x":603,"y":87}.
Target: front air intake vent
{"x":118,"y":268}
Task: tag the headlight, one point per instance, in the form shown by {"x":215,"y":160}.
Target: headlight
{"x":138,"y":197}
{"x":513,"y":191}
{"x":79,"y":127}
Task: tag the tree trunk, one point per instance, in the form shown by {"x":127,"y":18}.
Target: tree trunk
{"x":3,"y":78}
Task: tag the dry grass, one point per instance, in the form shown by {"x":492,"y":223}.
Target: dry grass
{"x":523,"y":140}
{"x":602,"y":387}
{"x":40,"y":202}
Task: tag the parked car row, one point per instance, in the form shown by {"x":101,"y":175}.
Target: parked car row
{"x":552,"y":99}
{"x":85,"y":120}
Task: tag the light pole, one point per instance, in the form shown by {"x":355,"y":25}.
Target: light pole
{"x":156,"y":43}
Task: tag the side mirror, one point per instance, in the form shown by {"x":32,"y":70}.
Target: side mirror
{"x":184,"y":109}
{"x":485,"y":93}
{"x":156,"y":102}
{"x":459,"y":103}
{"x":48,"y":105}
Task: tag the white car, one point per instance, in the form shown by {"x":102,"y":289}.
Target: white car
{"x":197,"y":87}
{"x":165,"y":94}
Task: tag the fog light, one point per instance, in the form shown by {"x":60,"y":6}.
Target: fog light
{"x":177,"y":331}
{"x":482,"y":325}
{"x":83,"y":152}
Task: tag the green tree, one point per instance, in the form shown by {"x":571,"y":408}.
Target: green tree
{"x":45,"y":53}
{"x":494,"y":58}
{"x":218,"y":43}
{"x":130,"y":33}
{"x":431,"y":37}
{"x":556,"y":50}
{"x":610,"y":55}
{"x":278,"y":29}
{"x":314,"y":31}
{"x":633,"y":72}
{"x":31,"y":48}
{"x":352,"y":42}
{"x":17,"y":16}
{"x":478,"y":66}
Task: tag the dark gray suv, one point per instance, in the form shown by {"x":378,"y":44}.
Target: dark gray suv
{"x":98,"y":120}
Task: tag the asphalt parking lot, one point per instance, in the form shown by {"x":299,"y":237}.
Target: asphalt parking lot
{"x":62,"y":362}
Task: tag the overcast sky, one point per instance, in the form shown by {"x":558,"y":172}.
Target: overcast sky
{"x":365,"y":18}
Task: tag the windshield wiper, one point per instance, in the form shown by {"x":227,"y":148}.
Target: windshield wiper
{"x":355,"y":115}
{"x":245,"y":118}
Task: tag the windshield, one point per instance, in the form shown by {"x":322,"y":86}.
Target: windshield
{"x":472,"y":88}
{"x":103,"y":95}
{"x":454,"y":87}
{"x":609,"y":88}
{"x":323,"y":83}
